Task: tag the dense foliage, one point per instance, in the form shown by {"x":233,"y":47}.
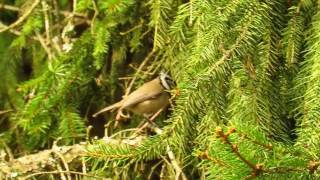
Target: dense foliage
{"x":248,"y":74}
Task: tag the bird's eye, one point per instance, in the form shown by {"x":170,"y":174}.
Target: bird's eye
{"x":170,"y":81}
{"x":168,"y":78}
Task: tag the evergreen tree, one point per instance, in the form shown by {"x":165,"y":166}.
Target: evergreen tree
{"x":248,"y":75}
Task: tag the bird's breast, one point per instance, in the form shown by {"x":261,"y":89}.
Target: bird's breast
{"x":151,"y":106}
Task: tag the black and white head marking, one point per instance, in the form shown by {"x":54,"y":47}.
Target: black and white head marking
{"x":166,"y":81}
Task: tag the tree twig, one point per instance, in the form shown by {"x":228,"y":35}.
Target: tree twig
{"x":23,"y":17}
{"x":18,"y":33}
{"x":96,"y":13}
{"x":175,"y":164}
{"x":148,"y":122}
{"x":46,"y":20}
{"x":70,"y":172}
{"x":132,"y":29}
{"x":62,"y":176}
{"x":44,"y":45}
{"x":8,"y":150}
{"x":65,"y":164}
{"x":64,"y":13}
{"x":9,"y":7}
{"x":138,"y":71}
{"x":5,"y":111}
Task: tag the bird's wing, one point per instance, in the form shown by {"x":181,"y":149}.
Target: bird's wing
{"x":113,"y":106}
{"x":138,"y":97}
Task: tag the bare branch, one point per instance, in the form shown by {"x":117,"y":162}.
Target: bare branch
{"x":23,"y":17}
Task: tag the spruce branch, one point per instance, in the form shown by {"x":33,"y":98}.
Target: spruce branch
{"x":205,"y":156}
{"x":245,"y":136}
{"x":256,"y":168}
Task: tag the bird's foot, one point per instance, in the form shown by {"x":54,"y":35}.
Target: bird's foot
{"x":120,"y":115}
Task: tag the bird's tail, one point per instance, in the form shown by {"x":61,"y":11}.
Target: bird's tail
{"x":108,"y":108}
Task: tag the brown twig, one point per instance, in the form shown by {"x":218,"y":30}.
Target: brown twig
{"x":5,"y":111}
{"x":138,"y":71}
{"x":55,"y":150}
{"x":148,"y":122}
{"x":313,"y":166}
{"x":44,"y":45}
{"x":18,"y":33}
{"x":9,"y":7}
{"x":65,"y":164}
{"x":88,"y":130}
{"x":64,"y":13}
{"x":175,"y":164}
{"x":70,"y":172}
{"x":132,"y":29}
{"x":84,"y":167}
{"x":7,"y":149}
{"x":45,"y":9}
{"x":96,"y":13}
{"x":62,"y":175}
{"x":23,"y":17}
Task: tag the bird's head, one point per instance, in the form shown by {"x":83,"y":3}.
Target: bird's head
{"x":166,"y":81}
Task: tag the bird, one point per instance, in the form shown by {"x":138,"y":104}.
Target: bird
{"x":147,"y":100}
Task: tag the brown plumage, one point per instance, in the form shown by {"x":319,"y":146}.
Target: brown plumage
{"x":147,"y":99}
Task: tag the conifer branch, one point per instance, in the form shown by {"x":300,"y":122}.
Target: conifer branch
{"x":205,"y":155}
{"x":237,"y":63}
{"x":256,"y":169}
{"x":267,"y":146}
